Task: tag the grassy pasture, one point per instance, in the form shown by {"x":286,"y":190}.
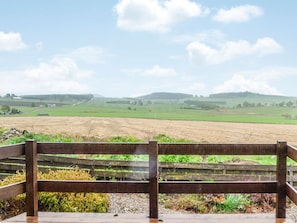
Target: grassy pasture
{"x":173,"y":109}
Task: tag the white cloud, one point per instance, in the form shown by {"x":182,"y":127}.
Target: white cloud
{"x":239,"y":83}
{"x":257,"y":80}
{"x":155,"y":15}
{"x":238,"y":14}
{"x":59,"y":75}
{"x":210,"y":36}
{"x":271,"y":73}
{"x":203,"y":54}
{"x":11,"y":41}
{"x":195,"y":88}
{"x":89,"y":54}
{"x":58,"y":68}
{"x":155,"y":71}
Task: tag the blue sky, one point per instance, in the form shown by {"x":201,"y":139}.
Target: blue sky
{"x":129,"y":48}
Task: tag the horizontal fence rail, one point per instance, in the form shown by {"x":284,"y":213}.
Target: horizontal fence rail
{"x":12,"y":150}
{"x":12,"y":190}
{"x":291,"y":193}
{"x":94,"y":186}
{"x":93,"y":148}
{"x":292,"y":152}
{"x":216,"y":149}
{"x":217,"y":187}
{"x":152,"y":186}
{"x":138,"y":170}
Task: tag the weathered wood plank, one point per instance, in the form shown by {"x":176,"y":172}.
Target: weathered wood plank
{"x":292,"y":152}
{"x":153,"y":179}
{"x":12,"y":190}
{"x":138,"y":170}
{"x":291,"y":193}
{"x":50,"y":160}
{"x":94,"y":186}
{"x":179,"y":187}
{"x":87,"y":163}
{"x":50,"y":217}
{"x":281,"y":178}
{"x":169,"y":171}
{"x":93,"y":148}
{"x":31,"y":178}
{"x":217,"y":149}
{"x":11,"y":167}
{"x":216,"y":177}
{"x":12,"y":150}
{"x":217,"y":166}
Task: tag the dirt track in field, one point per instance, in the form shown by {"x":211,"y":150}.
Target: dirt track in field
{"x":145,"y":129}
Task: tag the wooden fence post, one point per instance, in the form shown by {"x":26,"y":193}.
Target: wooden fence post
{"x":281,"y":176}
{"x":31,"y":178}
{"x":153,"y":178}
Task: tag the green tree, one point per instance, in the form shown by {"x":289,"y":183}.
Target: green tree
{"x":15,"y":111}
{"x":289,"y":104}
{"x":5,"y":108}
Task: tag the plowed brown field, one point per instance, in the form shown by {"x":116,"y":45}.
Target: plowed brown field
{"x":145,"y":129}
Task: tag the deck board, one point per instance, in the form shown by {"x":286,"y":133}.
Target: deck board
{"x":50,"y":217}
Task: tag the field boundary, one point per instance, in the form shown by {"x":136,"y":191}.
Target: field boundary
{"x":138,"y":170}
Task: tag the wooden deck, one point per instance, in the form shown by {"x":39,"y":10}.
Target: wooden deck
{"x":50,"y":217}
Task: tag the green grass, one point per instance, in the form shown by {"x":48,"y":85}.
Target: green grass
{"x":35,"y":136}
{"x":169,"y":110}
{"x":273,"y":115}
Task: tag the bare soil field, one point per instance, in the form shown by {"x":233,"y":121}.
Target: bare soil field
{"x":145,"y":129}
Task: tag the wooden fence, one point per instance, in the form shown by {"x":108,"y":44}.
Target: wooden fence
{"x":153,"y":187}
{"x":138,"y":170}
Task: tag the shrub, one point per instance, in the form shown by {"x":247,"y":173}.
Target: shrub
{"x":188,"y":202}
{"x":209,"y":203}
{"x":233,"y":203}
{"x":56,"y":201}
{"x":71,"y":202}
{"x":12,"y":206}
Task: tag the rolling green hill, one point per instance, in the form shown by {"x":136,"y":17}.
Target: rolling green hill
{"x":165,"y":96}
{"x":225,"y":107}
{"x":59,"y":97}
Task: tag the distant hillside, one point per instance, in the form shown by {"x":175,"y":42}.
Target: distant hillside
{"x":59,"y":97}
{"x":165,"y":96}
{"x":245,"y":94}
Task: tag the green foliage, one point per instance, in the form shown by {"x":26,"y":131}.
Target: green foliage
{"x":2,"y":130}
{"x":123,"y":139}
{"x":60,"y":97}
{"x":236,"y":95}
{"x":189,"y":202}
{"x":205,"y":105}
{"x":233,"y":203}
{"x":166,"y":96}
{"x":5,"y":108}
{"x":162,"y":138}
{"x":167,"y":139}
{"x":37,"y":137}
{"x":208,"y":203}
